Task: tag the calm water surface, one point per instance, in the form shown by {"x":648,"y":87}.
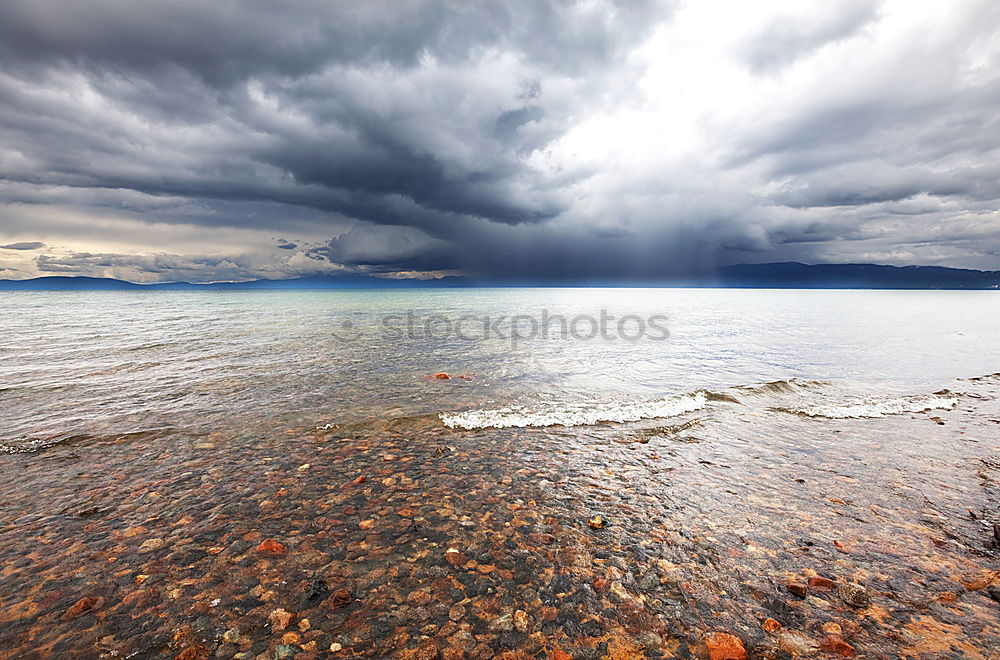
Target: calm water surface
{"x":111,"y":362}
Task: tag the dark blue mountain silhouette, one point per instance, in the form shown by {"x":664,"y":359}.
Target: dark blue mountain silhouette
{"x":794,"y":275}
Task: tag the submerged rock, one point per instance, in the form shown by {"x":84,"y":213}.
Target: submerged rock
{"x":284,"y":651}
{"x":797,"y":588}
{"x":151,"y":545}
{"x":454,"y":557}
{"x":521,"y":621}
{"x":503,"y":622}
{"x":796,"y":643}
{"x":82,"y":606}
{"x":821,"y":584}
{"x":316,"y":591}
{"x":339,"y":599}
{"x":854,"y":594}
{"x":835,"y":645}
{"x":280,"y":619}
{"x":272,"y":548}
{"x":723,"y":646}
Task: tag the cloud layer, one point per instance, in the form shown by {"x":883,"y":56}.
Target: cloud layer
{"x":560,"y":140}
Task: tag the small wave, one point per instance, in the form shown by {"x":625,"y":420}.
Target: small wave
{"x":147,"y":347}
{"x":575,"y":414}
{"x":870,"y":408}
{"x":32,"y":445}
{"x":783,"y":386}
{"x":987,"y":377}
{"x":27,"y":446}
{"x":721,"y":397}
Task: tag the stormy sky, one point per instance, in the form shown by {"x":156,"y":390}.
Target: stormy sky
{"x":205,"y":141}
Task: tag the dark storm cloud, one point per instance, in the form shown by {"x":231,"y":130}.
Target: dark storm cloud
{"x":388,"y":248}
{"x":191,"y":63}
{"x":519,"y":139}
{"x":226,"y":42}
{"x":414,"y":114}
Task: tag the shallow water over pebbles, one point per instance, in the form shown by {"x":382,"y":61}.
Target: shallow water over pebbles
{"x":403,"y":538}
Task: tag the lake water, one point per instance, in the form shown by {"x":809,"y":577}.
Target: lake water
{"x":109,"y":362}
{"x":255,"y":474}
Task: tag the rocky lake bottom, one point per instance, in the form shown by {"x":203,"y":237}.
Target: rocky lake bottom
{"x":749,"y":532}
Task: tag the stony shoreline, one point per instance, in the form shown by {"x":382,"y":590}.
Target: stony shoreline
{"x":734,"y":536}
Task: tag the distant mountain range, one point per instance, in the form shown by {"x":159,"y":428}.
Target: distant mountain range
{"x":793,"y":275}
{"x":64,"y":283}
{"x":785,"y":275}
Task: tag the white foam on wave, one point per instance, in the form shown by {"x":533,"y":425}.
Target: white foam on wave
{"x":567,"y":414}
{"x":28,"y":445}
{"x":870,"y":408}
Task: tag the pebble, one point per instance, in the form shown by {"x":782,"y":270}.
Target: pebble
{"x":280,"y":619}
{"x":649,"y":640}
{"x":503,"y":622}
{"x":832,"y":628}
{"x":284,"y":651}
{"x":724,"y":646}
{"x":81,"y":607}
{"x":272,"y":548}
{"x":454,"y":557}
{"x":837,"y":646}
{"x":854,"y":594}
{"x":796,"y":643}
{"x":192,"y":653}
{"x":339,"y":599}
{"x":316,"y":591}
{"x":619,"y":591}
{"x":521,"y":621}
{"x":798,"y":589}
{"x":151,"y":545}
{"x":822,"y":584}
